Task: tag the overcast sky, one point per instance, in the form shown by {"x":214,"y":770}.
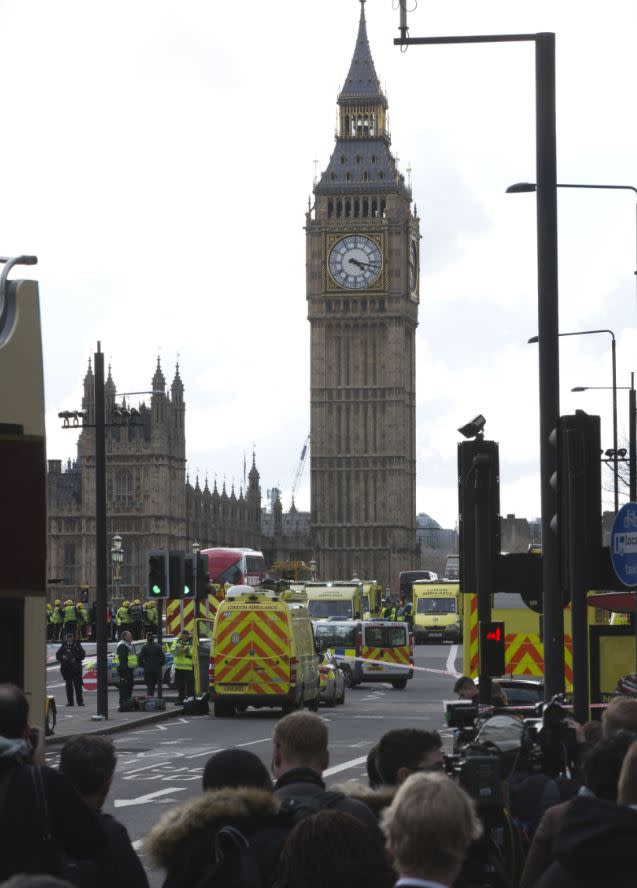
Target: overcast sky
{"x":158,"y":157}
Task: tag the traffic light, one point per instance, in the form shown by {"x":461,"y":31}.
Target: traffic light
{"x":491,"y":648}
{"x":473,"y":458}
{"x":203,"y":577}
{"x":157,"y":574}
{"x":190,"y":576}
{"x":578,"y":521}
{"x":176,"y":574}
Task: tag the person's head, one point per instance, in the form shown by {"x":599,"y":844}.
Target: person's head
{"x":14,"y":713}
{"x":150,"y":637}
{"x":627,"y":785}
{"x":127,"y":636}
{"x":69,"y":636}
{"x":620,"y":715}
{"x":465,"y":688}
{"x":184,"y":635}
{"x":235,"y":767}
{"x":405,"y":750}
{"x":336,"y":849}
{"x":592,"y":731}
{"x":373,"y":775}
{"x":428,"y":828}
{"x":88,"y":762}
{"x":299,"y":741}
{"x":498,"y":697}
{"x":604,"y":762}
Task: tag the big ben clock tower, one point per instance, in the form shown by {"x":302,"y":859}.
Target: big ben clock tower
{"x":363,"y":291}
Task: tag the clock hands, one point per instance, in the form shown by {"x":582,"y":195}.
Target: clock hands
{"x":364,"y":265}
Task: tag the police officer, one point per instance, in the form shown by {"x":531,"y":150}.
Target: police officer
{"x":82,"y":619}
{"x":403,"y":614}
{"x":150,"y":617}
{"x":57,"y":619}
{"x":70,"y":657}
{"x":136,"y":617}
{"x":151,"y":659}
{"x":69,"y":615}
{"x":122,"y":618}
{"x":182,"y":661}
{"x":126,"y":663}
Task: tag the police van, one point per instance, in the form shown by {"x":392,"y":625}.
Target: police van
{"x":369,"y":650}
{"x":263,"y":652}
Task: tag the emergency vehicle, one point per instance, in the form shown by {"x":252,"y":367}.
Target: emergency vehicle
{"x":263,"y":652}
{"x":340,"y":598}
{"x":369,"y":650}
{"x":436,"y":611}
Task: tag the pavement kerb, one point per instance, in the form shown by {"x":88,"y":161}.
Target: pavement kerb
{"x":103,"y":727}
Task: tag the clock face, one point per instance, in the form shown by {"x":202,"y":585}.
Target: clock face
{"x":355,"y":262}
{"x":413,"y":266}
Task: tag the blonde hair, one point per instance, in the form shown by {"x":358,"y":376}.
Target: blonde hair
{"x":301,"y":737}
{"x":627,"y":783}
{"x":429,"y":826}
{"x":620,"y":715}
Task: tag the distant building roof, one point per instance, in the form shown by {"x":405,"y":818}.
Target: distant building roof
{"x":426,"y":522}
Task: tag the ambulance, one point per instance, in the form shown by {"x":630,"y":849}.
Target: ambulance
{"x":436,"y":611}
{"x":262,"y":652}
{"x":369,"y":650}
{"x":341,"y":598}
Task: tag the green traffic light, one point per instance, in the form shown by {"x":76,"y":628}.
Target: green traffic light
{"x":156,"y":590}
{"x":186,"y":591}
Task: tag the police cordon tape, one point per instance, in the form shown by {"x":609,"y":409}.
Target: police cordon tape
{"x":530,"y":707}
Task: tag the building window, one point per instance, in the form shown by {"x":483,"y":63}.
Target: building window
{"x":124,"y":488}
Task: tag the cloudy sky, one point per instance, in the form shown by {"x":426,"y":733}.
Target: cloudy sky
{"x":158,"y":158}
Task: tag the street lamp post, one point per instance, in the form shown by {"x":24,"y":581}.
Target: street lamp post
{"x":547,"y":288}
{"x":632,"y":431}
{"x":614,"y":388}
{"x":526,"y":187}
{"x":196,"y":547}
{"x":117,"y":559}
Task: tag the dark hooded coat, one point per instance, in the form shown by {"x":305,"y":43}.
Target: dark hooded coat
{"x":183,"y":842}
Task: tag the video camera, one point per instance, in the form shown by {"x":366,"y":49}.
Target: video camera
{"x":553,"y":738}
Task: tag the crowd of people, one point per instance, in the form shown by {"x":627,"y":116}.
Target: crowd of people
{"x":67,"y":616}
{"x":413,"y":825}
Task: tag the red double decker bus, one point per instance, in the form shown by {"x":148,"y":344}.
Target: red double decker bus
{"x":232,"y":567}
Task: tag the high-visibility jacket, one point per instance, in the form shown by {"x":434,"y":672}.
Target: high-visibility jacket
{"x":82,"y":616}
{"x":70,"y":614}
{"x":135,"y":613}
{"x":132,"y":656}
{"x":56,"y":616}
{"x":389,"y":613}
{"x":182,"y":654}
{"x":150,"y":616}
{"x":404,"y":613}
{"x":123,"y":617}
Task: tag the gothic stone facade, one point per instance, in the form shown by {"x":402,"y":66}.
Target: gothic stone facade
{"x":150,"y":501}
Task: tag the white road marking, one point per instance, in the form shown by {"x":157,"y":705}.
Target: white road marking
{"x":150,"y":797}
{"x":451,"y":660}
{"x":345,"y":766}
{"x":253,"y":742}
{"x":199,"y":754}
{"x":145,"y":768}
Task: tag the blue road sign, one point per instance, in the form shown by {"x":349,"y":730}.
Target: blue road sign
{"x":623,"y":544}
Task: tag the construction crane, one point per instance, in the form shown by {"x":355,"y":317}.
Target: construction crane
{"x":301,"y":465}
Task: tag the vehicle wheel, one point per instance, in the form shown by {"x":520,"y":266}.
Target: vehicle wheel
{"x":340,"y":700}
{"x":347,"y":674}
{"x":223,"y":710}
{"x":49,"y":723}
{"x":399,"y":683}
{"x":313,"y":705}
{"x":332,"y":702}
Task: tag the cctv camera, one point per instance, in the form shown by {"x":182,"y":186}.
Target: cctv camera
{"x":474,"y":428}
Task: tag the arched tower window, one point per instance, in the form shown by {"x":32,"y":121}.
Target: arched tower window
{"x":357,"y":208}
{"x":365,"y":207}
{"x":374,"y":207}
{"x":330,"y":209}
{"x":339,"y":209}
{"x":348,"y":209}
{"x":372,"y":124}
{"x":346,"y":124}
{"x":365,"y":176}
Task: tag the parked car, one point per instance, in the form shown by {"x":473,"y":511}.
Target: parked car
{"x":138,"y":676}
{"x":332,"y":679}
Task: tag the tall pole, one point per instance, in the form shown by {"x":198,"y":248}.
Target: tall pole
{"x":615,"y":454}
{"x":546,"y":166}
{"x":100,"y":535}
{"x":632,"y":441}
